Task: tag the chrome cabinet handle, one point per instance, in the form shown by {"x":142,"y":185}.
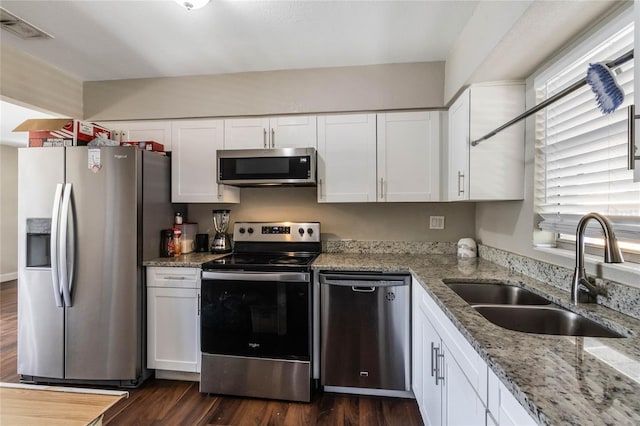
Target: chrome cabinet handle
{"x":381,"y":188}
{"x":264,"y":138}
{"x":198,"y":304}
{"x":273,"y":138}
{"x":433,"y":366}
{"x":439,"y":360}
{"x":320,"y":187}
{"x":460,"y":187}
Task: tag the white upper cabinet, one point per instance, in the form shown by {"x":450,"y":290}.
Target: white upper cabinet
{"x":347,"y":158}
{"x":493,"y":169}
{"x":295,"y":131}
{"x":408,"y":163}
{"x":390,"y":157}
{"x":148,"y":130}
{"x":193,"y":163}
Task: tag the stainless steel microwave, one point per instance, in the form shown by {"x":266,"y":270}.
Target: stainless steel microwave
{"x":261,"y":167}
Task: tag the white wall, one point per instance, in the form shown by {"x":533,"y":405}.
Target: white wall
{"x":8,"y":212}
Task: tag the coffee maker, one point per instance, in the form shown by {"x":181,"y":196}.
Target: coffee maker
{"x":221,"y":242}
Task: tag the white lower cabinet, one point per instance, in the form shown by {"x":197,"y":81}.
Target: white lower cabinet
{"x":173,"y":319}
{"x":451,"y":383}
{"x":503,"y":409}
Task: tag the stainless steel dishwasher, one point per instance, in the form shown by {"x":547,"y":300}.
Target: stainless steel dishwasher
{"x":365,"y":333}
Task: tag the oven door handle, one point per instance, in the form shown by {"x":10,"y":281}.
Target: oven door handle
{"x":256,"y":276}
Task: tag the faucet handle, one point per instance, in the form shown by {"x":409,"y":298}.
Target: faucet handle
{"x":589,"y":290}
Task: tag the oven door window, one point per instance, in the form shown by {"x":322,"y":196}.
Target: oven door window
{"x":261,"y":319}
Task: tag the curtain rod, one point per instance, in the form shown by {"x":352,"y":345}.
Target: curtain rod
{"x":575,"y":86}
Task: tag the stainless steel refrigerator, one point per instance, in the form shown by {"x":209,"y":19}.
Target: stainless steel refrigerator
{"x":87,"y":218}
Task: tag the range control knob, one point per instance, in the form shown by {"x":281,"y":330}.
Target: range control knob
{"x":250,"y":230}
{"x":241,"y":230}
{"x":310,"y":231}
{"x":301,"y":231}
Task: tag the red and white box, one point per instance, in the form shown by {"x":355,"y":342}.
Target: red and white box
{"x":61,"y":132}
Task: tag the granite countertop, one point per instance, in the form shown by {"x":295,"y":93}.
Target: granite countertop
{"x":558,"y":379}
{"x":189,"y":260}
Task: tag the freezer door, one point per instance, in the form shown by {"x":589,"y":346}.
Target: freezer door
{"x":40,"y":321}
{"x":103,"y":320}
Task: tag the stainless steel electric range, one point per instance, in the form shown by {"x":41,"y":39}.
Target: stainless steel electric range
{"x":256,"y":313}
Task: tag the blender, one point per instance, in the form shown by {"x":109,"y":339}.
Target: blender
{"x":221,"y":242}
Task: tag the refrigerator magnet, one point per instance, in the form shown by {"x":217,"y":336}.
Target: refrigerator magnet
{"x":94,"y":160}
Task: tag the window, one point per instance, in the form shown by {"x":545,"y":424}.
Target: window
{"x":581,"y":154}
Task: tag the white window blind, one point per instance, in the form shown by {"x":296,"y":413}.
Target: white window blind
{"x":581,"y":154}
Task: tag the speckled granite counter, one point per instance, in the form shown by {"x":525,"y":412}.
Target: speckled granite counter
{"x":191,"y":260}
{"x":559,"y":379}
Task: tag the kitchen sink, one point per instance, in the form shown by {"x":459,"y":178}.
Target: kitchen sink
{"x":516,"y":308}
{"x":494,"y":293}
{"x":543,"y":320}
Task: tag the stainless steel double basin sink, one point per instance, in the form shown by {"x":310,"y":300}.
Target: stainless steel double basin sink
{"x":519,"y":309}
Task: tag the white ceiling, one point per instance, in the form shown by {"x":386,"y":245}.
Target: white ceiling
{"x":105,"y":40}
{"x":108,"y":40}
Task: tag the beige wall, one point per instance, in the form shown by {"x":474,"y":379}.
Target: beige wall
{"x":358,"y":88}
{"x":32,"y":83}
{"x":8,"y":212}
{"x":360,"y":221}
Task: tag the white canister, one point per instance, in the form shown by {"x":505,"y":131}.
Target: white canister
{"x":467,"y":247}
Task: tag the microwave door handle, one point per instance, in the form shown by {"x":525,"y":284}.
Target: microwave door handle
{"x":53,"y":246}
{"x":64,"y":234}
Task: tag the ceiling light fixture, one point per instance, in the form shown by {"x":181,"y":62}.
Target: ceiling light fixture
{"x":192,"y":4}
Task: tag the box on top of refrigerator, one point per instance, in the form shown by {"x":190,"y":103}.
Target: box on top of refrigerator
{"x":60,"y":132}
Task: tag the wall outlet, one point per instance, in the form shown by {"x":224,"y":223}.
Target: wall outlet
{"x":436,"y":222}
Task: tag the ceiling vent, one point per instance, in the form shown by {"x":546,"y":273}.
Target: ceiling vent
{"x":20,"y":27}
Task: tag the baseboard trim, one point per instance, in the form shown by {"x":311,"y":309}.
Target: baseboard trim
{"x":8,"y":277}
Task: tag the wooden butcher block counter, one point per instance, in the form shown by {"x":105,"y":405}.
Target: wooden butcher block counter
{"x":22,"y":404}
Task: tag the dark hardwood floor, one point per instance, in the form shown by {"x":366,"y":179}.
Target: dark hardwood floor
{"x":168,"y":402}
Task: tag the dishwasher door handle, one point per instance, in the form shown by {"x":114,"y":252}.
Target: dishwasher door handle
{"x":363,"y":289}
{"x":364,"y":281}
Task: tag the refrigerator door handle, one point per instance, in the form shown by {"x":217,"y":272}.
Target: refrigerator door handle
{"x":53,"y":248}
{"x":64,"y":236}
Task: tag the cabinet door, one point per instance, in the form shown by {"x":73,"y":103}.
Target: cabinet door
{"x":173,"y":338}
{"x":496,"y":165}
{"x":458,"y":149}
{"x":460,"y":403}
{"x":246,"y":133}
{"x":431,"y":402}
{"x":347,"y":158}
{"x":408,"y":156}
{"x":193,"y":163}
{"x":417,"y":354}
{"x":295,"y":131}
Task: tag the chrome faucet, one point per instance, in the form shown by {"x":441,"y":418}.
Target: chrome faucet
{"x":612,"y":254}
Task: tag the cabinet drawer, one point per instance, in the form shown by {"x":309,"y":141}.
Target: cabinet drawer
{"x":170,"y":277}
